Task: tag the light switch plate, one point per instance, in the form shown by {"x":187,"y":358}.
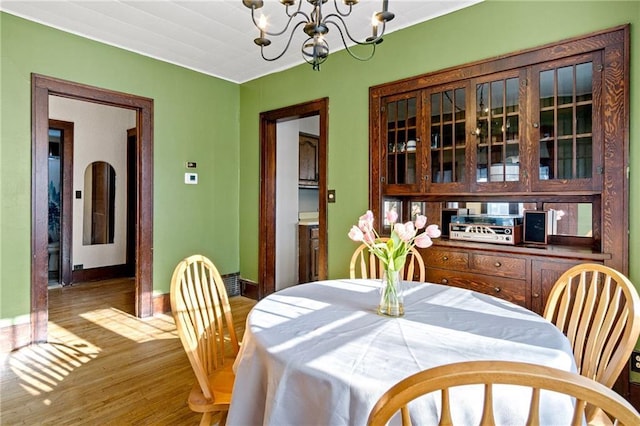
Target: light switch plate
{"x":191,"y":178}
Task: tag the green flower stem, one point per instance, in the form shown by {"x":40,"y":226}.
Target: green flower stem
{"x":391,"y":302}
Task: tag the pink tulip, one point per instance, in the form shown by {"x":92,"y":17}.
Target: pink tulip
{"x":369,"y":237}
{"x":423,"y":240}
{"x":356,"y":234}
{"x":421,"y":221}
{"x":368,"y":216}
{"x":365,"y":226}
{"x":432,"y":231}
{"x":365,"y":222}
{"x":404,"y":231}
{"x":391,"y":216}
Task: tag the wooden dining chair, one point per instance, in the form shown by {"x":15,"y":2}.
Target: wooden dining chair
{"x":598,"y":309}
{"x":202,"y":313}
{"x":489,"y":373}
{"x":365,"y":264}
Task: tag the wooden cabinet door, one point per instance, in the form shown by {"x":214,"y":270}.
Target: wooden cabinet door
{"x":308,"y":160}
{"x":314,"y":244}
{"x":401,"y":148}
{"x":498,"y":158}
{"x":544,"y":274}
{"x":566,"y":132}
{"x":308,"y":253}
{"x":448,"y":166}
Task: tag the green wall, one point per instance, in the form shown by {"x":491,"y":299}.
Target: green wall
{"x":196,"y":118}
{"x":485,"y":30}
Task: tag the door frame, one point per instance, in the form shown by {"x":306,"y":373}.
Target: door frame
{"x":267,"y":215}
{"x":41,"y":88}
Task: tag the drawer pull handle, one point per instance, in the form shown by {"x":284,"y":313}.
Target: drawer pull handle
{"x":497,"y":289}
{"x":445,"y":281}
{"x":445,"y":258}
{"x":536,"y":295}
{"x":497,"y":264}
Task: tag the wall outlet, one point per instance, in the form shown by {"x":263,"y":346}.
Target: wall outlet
{"x":635,"y":361}
{"x":78,"y":267}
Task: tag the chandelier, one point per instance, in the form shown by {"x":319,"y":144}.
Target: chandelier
{"x":315,"y":25}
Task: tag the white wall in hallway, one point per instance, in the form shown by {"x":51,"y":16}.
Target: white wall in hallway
{"x":100,"y":134}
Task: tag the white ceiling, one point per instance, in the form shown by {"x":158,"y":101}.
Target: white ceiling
{"x":214,"y":37}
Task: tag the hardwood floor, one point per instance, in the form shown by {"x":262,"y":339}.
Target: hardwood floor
{"x":102,"y":365}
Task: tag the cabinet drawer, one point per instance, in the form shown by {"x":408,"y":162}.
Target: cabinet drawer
{"x":440,"y":258}
{"x":504,"y":288}
{"x":500,"y":266}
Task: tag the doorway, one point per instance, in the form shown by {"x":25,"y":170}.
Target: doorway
{"x":59,"y":189}
{"x":42,"y":88}
{"x":268,"y":189}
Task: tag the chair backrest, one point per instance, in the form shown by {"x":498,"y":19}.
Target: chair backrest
{"x":537,"y":377}
{"x":598,"y":309}
{"x":365,"y":264}
{"x":202,"y":313}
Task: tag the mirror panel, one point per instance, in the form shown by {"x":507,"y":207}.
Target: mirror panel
{"x":99,"y":203}
{"x":564,"y":219}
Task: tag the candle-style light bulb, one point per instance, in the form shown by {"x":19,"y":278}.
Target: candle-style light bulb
{"x":374,"y":25}
{"x":262,"y":24}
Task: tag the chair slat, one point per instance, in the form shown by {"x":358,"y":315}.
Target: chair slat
{"x":445,"y":416}
{"x":534,"y":409}
{"x":487,"y":407}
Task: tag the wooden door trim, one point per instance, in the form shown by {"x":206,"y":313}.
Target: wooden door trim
{"x":267,"y":216}
{"x":41,"y":88}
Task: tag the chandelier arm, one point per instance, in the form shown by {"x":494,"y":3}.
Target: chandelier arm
{"x":349,"y":51}
{"x":369,"y":41}
{"x":275,"y":58}
{"x":276,"y":34}
{"x":341,"y":13}
{"x":286,"y":10}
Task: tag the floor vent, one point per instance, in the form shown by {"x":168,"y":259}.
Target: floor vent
{"x":232,"y":283}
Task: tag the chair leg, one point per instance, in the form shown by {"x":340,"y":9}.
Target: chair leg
{"x":214,"y":418}
{"x":206,"y":419}
{"x":223,"y":418}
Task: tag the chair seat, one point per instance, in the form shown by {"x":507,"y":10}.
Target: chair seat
{"x":221,"y":384}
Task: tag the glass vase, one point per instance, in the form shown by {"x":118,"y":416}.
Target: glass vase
{"x":391,"y":295}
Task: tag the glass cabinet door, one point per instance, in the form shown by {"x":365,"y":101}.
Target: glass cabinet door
{"x":497,"y":131}
{"x":402,"y":162}
{"x":565,"y":127}
{"x":447,"y":115}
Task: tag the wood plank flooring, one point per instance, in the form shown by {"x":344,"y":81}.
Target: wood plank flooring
{"x":102,"y":365}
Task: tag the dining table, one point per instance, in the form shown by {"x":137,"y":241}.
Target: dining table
{"x":319,"y":354}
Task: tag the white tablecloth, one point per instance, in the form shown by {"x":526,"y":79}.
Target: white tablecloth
{"x":318,"y":354}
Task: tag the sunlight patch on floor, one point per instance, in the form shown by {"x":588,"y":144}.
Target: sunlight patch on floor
{"x":40,"y":368}
{"x":132,"y":328}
